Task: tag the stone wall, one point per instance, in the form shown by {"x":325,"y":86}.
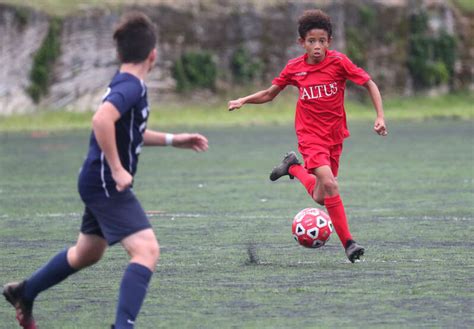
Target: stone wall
{"x":87,"y":60}
{"x":19,"y":39}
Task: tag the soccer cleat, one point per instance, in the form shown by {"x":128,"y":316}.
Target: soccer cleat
{"x":24,"y":309}
{"x":282,"y":169}
{"x":354,"y":251}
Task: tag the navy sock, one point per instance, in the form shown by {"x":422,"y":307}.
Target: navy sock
{"x":132,"y":293}
{"x":53,"y":272}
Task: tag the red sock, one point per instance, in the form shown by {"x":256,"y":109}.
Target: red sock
{"x":338,"y":217}
{"x":308,"y":180}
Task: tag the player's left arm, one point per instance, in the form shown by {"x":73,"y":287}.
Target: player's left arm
{"x":196,"y":142}
{"x":379,"y":126}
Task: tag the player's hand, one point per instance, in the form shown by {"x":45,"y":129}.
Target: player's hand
{"x":196,"y":142}
{"x":122,"y":179}
{"x":235,"y":104}
{"x":380,"y":127}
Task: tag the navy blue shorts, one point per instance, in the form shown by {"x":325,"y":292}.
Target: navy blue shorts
{"x":114,"y":218}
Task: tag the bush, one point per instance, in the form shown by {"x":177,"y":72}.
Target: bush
{"x":355,"y":47}
{"x":43,"y":61}
{"x":243,"y":67}
{"x":430,"y":59}
{"x":195,"y":70}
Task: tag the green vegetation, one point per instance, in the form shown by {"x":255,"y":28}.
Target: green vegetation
{"x":194,"y":70}
{"x":43,"y":61}
{"x":22,"y":15}
{"x":430,"y":59}
{"x":279,"y":112}
{"x":67,"y":7}
{"x":357,"y":38}
{"x":409,"y":198}
{"x":466,"y":5}
{"x":355,"y":46}
{"x":244,"y":67}
{"x":70,"y":7}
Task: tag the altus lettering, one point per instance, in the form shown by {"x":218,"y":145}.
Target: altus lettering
{"x":319,"y":91}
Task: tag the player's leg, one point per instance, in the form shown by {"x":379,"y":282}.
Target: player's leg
{"x":88,"y":250}
{"x":291,"y":166}
{"x":336,"y":210}
{"x":122,"y":219}
{"x":144,"y":252}
{"x":333,"y":202}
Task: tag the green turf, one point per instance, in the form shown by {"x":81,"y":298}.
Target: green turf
{"x":409,"y":198}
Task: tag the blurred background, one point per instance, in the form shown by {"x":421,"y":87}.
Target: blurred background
{"x":59,"y":54}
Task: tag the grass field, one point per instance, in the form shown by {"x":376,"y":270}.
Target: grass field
{"x":409,"y":198}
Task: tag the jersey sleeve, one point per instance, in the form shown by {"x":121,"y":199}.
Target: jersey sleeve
{"x":124,"y":96}
{"x":283,"y":79}
{"x":354,"y":73}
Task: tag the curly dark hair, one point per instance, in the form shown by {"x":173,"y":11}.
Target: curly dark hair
{"x":314,"y":19}
{"x":135,"y":37}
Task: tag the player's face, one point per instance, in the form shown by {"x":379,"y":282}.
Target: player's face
{"x":316,"y":43}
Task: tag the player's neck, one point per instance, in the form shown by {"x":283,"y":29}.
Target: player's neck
{"x":139,"y":70}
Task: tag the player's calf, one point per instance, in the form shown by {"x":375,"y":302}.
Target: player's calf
{"x":13,"y":293}
{"x":318,"y":194}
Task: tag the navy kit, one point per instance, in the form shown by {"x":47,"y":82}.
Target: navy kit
{"x":109,"y":213}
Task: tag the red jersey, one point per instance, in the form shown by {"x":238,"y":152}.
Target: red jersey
{"x":320,"y":116}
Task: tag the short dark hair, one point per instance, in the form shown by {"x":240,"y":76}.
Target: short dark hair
{"x":135,"y":37}
{"x":314,"y":19}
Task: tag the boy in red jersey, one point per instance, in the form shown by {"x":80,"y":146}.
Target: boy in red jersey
{"x":320,"y":120}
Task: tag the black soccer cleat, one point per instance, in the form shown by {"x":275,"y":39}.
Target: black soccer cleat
{"x":354,"y":251}
{"x":13,"y":293}
{"x":282,"y":169}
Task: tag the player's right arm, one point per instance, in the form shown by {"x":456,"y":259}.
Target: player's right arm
{"x":103,"y":125}
{"x":260,"y":97}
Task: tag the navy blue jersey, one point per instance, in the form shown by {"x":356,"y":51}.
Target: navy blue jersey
{"x":129,"y":96}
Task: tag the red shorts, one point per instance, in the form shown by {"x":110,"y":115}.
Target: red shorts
{"x":316,"y":155}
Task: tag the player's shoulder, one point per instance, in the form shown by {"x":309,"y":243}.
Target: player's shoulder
{"x":295,"y":63}
{"x":296,"y":60}
{"x":336,"y":56}
{"x":127,"y":83}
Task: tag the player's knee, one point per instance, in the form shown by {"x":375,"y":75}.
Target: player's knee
{"x":330,"y":187}
{"x":149,"y":252}
{"x":154,"y":251}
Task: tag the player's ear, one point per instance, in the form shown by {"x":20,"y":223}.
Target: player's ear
{"x":153,"y":55}
{"x":301,"y":41}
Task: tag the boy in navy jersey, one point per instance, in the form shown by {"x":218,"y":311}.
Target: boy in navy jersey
{"x":112,"y":213}
{"x":320,"y":120}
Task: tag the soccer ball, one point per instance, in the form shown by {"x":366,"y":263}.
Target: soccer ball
{"x":312,"y":228}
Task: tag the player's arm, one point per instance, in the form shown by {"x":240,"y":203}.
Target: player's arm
{"x":374,"y":92}
{"x":260,"y":97}
{"x":196,"y":142}
{"x":103,"y":125}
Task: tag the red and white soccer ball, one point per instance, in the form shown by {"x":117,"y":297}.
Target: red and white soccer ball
{"x":312,"y":228}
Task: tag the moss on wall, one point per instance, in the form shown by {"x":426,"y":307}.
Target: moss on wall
{"x":43,"y":62}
